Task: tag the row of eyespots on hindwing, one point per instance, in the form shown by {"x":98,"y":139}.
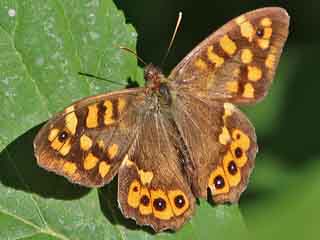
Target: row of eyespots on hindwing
{"x":162,"y":204}
{"x":237,"y":143}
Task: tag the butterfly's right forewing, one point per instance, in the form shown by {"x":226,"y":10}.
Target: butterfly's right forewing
{"x":237,"y":63}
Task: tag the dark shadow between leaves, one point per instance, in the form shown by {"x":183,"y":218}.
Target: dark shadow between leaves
{"x":19,"y":170}
{"x":132,"y":83}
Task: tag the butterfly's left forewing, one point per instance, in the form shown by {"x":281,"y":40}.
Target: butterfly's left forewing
{"x":236,"y":63}
{"x":88,"y":140}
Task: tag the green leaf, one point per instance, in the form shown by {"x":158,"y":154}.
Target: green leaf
{"x":43,"y":45}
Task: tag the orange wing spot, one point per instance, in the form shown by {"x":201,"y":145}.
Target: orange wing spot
{"x":266,"y":22}
{"x":228,"y":110}
{"x":200,"y":64}
{"x":134,"y":194}
{"x":254,"y":73}
{"x":145,"y":207}
{"x":121,"y":104}
{"x":240,"y":146}
{"x":90,"y":161}
{"x":85,"y":142}
{"x":65,"y":149}
{"x":248,"y":91}
{"x":113,"y":150}
{"x":232,"y":86}
{"x":214,"y":58}
{"x":56,"y":144}
{"x":217,"y":182}
{"x":231,"y":170}
{"x":270,"y":61}
{"x":246,"y":56}
{"x":239,"y":153}
{"x":101,"y":144}
{"x":179,"y":201}
{"x":228,"y":45}
{"x":267,"y":33}
{"x":242,"y":138}
{"x":247,"y":30}
{"x":104,"y":168}
{"x":236,"y":72}
{"x":263,"y":43}
{"x":53,"y":134}
{"x":69,"y":109}
{"x":92,"y":118}
{"x":145,"y":176}
{"x":69,"y":168}
{"x":224,"y":137}
{"x":161,"y":205}
{"x":108,"y":113}
{"x":71,"y":121}
{"x":127,"y":162}
{"x":241,"y":19}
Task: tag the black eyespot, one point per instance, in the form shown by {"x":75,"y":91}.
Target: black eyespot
{"x":260,"y":32}
{"x":144,"y":200}
{"x":159,"y":204}
{"x":238,"y":152}
{"x":179,"y":201}
{"x":238,"y":136}
{"x":63,"y":136}
{"x":135,"y":189}
{"x":232,"y":168}
{"x":219,"y":182}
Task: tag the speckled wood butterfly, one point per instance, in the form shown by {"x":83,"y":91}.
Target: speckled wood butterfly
{"x":179,"y":137}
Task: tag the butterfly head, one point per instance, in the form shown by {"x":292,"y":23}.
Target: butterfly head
{"x":153,"y":76}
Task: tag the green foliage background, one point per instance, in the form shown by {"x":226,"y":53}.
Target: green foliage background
{"x":44,"y":46}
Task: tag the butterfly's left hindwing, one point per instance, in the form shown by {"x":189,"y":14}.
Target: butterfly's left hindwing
{"x":153,"y":188}
{"x":87,"y":141}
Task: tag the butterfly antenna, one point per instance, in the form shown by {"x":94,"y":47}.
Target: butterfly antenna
{"x":134,"y":53}
{"x":173,"y":37}
{"x":100,"y":78}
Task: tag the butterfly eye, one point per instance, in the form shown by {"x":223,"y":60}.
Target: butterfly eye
{"x":219,"y":182}
{"x":63,"y":136}
{"x":238,"y":152}
{"x":145,"y":200}
{"x":260,"y":32}
{"x":179,"y":201}
{"x":159,"y":204}
{"x":232,"y":168}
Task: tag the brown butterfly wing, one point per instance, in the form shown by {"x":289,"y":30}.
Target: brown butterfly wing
{"x":221,"y":144}
{"x":236,"y":63}
{"x":153,"y":188}
{"x":88,"y":140}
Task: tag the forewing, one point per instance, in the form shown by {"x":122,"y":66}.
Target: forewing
{"x":153,"y":188}
{"x":238,"y":61}
{"x":87,"y":141}
{"x":221,"y":144}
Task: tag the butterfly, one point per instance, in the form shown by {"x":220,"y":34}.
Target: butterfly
{"x":180,"y":137}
